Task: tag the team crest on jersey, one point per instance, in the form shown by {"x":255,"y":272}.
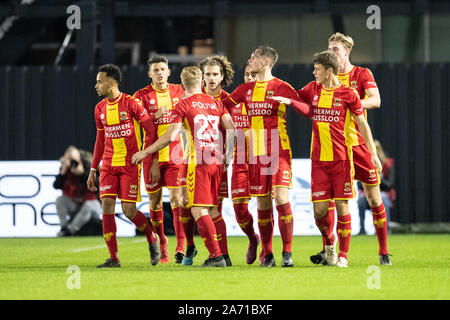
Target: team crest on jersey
{"x":152,"y":101}
{"x":269,"y":94}
{"x":133,"y":189}
{"x":337,"y":102}
{"x":249,"y":92}
{"x":175,"y":100}
{"x":347,"y":187}
{"x":353,"y":84}
{"x":123,"y":116}
{"x":316,"y":97}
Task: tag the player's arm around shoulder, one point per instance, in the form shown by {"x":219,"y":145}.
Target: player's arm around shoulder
{"x":171,"y":134}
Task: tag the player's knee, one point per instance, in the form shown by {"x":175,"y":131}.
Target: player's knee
{"x":265,"y":202}
{"x":155,"y":206}
{"x":108,"y":205}
{"x":319,"y":213}
{"x":281,"y":196}
{"x":373,"y":195}
{"x":342,"y":208}
{"x":129,"y":210}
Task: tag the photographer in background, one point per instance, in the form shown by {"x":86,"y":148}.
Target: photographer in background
{"x":77,"y":205}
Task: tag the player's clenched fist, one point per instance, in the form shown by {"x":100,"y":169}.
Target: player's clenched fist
{"x":91,"y":181}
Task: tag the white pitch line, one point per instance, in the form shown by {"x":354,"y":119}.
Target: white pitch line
{"x":139,"y":240}
{"x":88,"y":248}
{"x":102,"y":246}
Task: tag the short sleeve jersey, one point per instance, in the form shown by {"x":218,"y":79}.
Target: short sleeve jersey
{"x":120,"y":119}
{"x":330,"y":141}
{"x":359,"y":79}
{"x":152,"y":99}
{"x":201,"y":115}
{"x":267,"y":117}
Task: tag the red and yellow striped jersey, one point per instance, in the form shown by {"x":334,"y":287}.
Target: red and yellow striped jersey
{"x":221,"y":96}
{"x":240,"y":120}
{"x":152,"y":99}
{"x":120,"y":121}
{"x":267,"y":117}
{"x":329,"y":140}
{"x":201,"y":115}
{"x":359,"y":79}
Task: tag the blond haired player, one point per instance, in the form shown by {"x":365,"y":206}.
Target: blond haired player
{"x":203,"y":116}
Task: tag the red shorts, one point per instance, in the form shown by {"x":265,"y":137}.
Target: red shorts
{"x":121,"y":182}
{"x":365,"y":171}
{"x":263,"y":177}
{"x":239,"y":182}
{"x":203,"y":183}
{"x":169,"y":176}
{"x":223,"y":190}
{"x":331,"y":180}
{"x":182,"y":174}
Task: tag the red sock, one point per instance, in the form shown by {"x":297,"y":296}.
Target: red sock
{"x":344,"y":229}
{"x":380,"y":223}
{"x":179,"y":231}
{"x":265,"y":224}
{"x":331,"y":217}
{"x":221,"y":232}
{"x":109,"y":234}
{"x":157,"y":219}
{"x":207,"y":231}
{"x":286,"y":225}
{"x":244,"y":219}
{"x":323,"y":224}
{"x":141,"y":222}
{"x":188,"y":225}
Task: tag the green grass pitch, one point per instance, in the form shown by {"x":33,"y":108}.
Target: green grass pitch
{"x":38,"y":268}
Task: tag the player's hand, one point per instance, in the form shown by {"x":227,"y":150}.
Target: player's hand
{"x":161,"y":111}
{"x":154,"y":172}
{"x":91,"y":181}
{"x":138,"y":157}
{"x":377,"y":163}
{"x":282,"y":100}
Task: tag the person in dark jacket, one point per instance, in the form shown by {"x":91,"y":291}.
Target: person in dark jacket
{"x":77,"y":205}
{"x":388,"y":194}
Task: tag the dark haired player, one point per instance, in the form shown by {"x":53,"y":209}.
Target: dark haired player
{"x":117,"y":118}
{"x":162,"y":169}
{"x":327,"y":101}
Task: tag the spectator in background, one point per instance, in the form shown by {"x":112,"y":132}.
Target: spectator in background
{"x":388,"y":193}
{"x":77,"y":205}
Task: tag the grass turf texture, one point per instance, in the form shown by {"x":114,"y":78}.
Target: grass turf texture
{"x":36,"y":268}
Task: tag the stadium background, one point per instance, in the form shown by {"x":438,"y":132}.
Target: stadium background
{"x":47,"y":95}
